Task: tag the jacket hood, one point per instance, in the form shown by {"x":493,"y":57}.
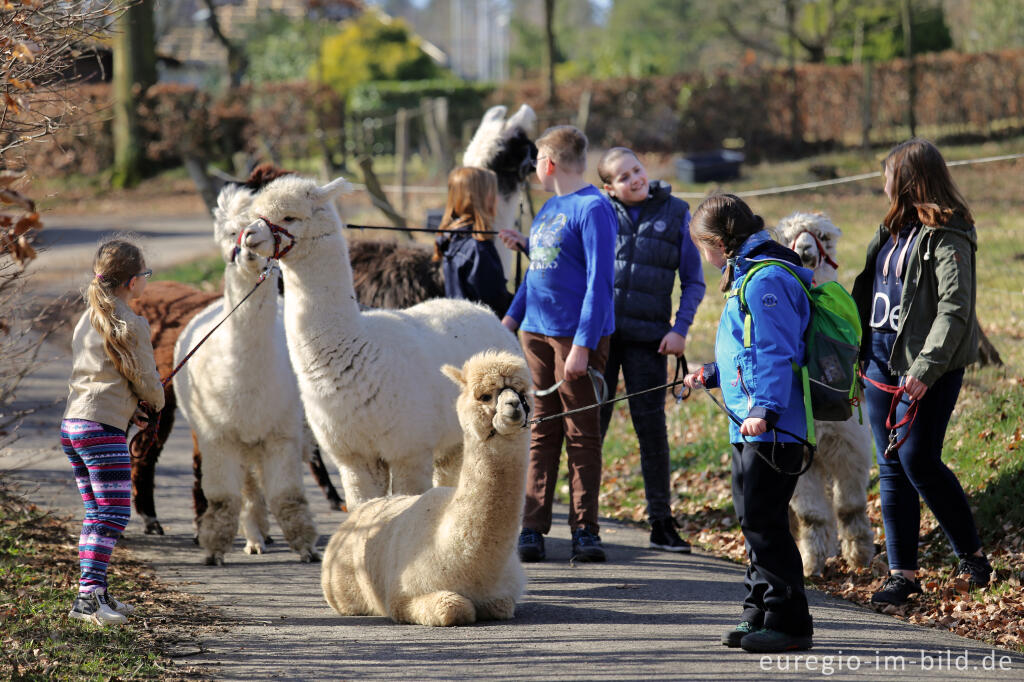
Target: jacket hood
{"x":960,"y":227}
{"x":761,"y":247}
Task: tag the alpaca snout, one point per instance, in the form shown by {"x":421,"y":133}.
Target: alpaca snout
{"x":510,"y":414}
{"x":257,"y":238}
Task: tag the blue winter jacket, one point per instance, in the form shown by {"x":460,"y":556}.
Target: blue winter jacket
{"x":472,"y":270}
{"x":760,"y":381}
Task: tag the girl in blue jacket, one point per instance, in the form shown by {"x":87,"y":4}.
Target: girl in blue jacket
{"x":469,"y":260}
{"x":754,"y":367}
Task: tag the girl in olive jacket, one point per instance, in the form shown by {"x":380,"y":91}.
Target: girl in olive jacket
{"x":916,"y":298}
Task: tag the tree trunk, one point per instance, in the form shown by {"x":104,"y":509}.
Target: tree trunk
{"x":549,"y":53}
{"x":134,"y":73}
{"x":908,"y":53}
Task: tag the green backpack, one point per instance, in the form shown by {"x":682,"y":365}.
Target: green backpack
{"x":832,"y":340}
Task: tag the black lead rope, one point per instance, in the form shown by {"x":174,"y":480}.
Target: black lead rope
{"x":601,"y":393}
{"x":770,"y":461}
{"x":430,"y":230}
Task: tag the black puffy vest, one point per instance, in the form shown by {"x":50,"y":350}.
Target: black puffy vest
{"x":647,"y":265}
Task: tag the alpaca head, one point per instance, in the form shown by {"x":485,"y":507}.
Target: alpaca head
{"x":814,"y":237}
{"x":504,"y":146}
{"x":296,"y":205}
{"x":230,"y":217}
{"x":494,"y":397}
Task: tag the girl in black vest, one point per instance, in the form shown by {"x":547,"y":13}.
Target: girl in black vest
{"x":653,"y":248}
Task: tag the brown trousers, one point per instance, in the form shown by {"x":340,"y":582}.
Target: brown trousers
{"x":581,"y":433}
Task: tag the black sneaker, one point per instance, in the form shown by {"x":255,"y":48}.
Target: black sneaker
{"x":768,"y":641}
{"x":531,"y":545}
{"x":896,"y":589}
{"x":732,"y":638}
{"x":586,"y":546}
{"x":977,"y":569}
{"x":664,"y":536}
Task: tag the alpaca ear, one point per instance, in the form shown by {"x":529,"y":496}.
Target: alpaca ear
{"x":525,"y":118}
{"x":455,"y":374}
{"x":336,"y":187}
{"x":495,"y":113}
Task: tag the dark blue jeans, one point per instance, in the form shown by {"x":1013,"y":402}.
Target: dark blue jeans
{"x":918,"y":469}
{"x":643,"y":367}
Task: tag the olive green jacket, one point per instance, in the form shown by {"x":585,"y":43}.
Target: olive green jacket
{"x":937,"y":330}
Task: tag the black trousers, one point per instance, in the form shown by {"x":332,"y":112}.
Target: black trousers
{"x":775,"y":578}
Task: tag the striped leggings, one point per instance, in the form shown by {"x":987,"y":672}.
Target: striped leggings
{"x":99,"y":456}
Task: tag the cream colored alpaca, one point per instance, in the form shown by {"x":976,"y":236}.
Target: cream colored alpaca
{"x":369,"y":380}
{"x":241,"y":398}
{"x":448,"y":556}
{"x":834,"y":490}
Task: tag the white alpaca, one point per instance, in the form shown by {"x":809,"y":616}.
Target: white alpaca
{"x":241,"y":398}
{"x":448,"y":556}
{"x":505,"y":147}
{"x":835,"y":487}
{"x":369,"y":380}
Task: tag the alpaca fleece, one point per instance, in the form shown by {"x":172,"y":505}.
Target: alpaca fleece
{"x":446,"y":557}
{"x":369,"y":380}
{"x":831,"y":497}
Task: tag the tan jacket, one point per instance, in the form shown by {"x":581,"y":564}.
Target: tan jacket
{"x":98,"y":392}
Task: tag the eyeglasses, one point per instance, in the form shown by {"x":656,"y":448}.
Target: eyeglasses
{"x":145,"y":273}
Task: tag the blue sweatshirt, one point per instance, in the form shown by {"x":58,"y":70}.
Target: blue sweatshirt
{"x":567,"y":290}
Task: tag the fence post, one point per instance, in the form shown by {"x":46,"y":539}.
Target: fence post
{"x":583,"y":111}
{"x":401,"y":153}
{"x":443,"y":137}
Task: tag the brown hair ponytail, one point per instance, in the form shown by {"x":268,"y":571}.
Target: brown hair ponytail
{"x":115,"y":264}
{"x":725,"y":219}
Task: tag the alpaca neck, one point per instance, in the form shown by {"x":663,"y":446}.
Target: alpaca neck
{"x":318,"y":280}
{"x":251,"y":325}
{"x":488,"y":500}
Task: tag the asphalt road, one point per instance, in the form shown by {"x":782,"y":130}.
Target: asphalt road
{"x":644,"y":615}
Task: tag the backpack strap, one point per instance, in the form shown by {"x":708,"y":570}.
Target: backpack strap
{"x":799,"y":369}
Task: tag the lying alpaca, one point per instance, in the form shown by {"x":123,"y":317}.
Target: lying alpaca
{"x":244,"y":429}
{"x":448,"y":556}
{"x":368,"y":380}
{"x":835,"y":487}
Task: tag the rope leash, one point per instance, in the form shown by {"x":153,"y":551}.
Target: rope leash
{"x":601,"y":394}
{"x":770,"y":461}
{"x":897,"y":392}
{"x":391,"y":228}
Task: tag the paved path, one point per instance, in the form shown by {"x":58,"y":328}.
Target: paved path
{"x":644,"y":615}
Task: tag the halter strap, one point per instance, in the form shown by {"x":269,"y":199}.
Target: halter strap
{"x":822,"y":253}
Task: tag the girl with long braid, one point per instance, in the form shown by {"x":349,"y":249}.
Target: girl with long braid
{"x":755,"y":351}
{"x":113,"y":373}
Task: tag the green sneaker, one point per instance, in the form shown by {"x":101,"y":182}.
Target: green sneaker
{"x":732,"y":638}
{"x":768,"y":641}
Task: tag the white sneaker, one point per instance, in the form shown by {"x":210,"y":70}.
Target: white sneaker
{"x":120,"y":606}
{"x":95,"y":607}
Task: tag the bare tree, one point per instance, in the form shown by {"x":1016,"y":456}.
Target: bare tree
{"x":134,"y":72}
{"x":770,"y":20}
{"x":39,"y":41}
{"x":550,"y":50}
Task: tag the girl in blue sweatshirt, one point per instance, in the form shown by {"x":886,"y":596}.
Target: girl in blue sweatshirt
{"x":754,"y":369}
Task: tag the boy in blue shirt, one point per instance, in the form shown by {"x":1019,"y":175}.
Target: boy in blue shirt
{"x":565,"y":310}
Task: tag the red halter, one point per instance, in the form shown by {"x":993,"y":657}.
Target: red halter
{"x":276,"y":231}
{"x":822,"y":253}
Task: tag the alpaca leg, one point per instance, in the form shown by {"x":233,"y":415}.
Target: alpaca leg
{"x":850,"y":500}
{"x":198,"y":498}
{"x":441,"y":608}
{"x":145,"y":451}
{"x":225,"y":472}
{"x":362,"y":479}
{"x":814,"y":516}
{"x":499,"y":608}
{"x":412,"y":475}
{"x":281,"y":467}
{"x":323,"y":479}
{"x":255,"y":524}
{"x":447,"y":465}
